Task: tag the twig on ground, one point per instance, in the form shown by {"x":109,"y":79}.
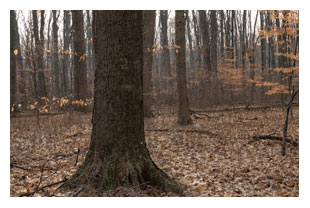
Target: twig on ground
{"x":43,"y":187}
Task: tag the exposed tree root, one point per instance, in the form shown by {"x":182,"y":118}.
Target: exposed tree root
{"x":103,"y":176}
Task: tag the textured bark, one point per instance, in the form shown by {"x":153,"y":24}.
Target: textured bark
{"x":227,"y":36}
{"x":271,"y":57}
{"x":213,"y":54}
{"x":21,"y":75}
{"x":80,"y":77}
{"x":39,"y":51}
{"x":232,"y":35}
{"x":263,"y":41}
{"x":222,"y":32}
{"x":197,"y":39}
{"x":204,"y":26}
{"x":165,"y":57}
{"x":183,"y":106}
{"x":148,"y":39}
{"x":66,"y":57}
{"x":118,"y":155}
{"x":244,"y":46}
{"x":12,"y":58}
{"x":280,"y":50}
{"x":55,"y":58}
{"x":190,"y":40}
{"x":42,"y":91}
{"x":89,"y":57}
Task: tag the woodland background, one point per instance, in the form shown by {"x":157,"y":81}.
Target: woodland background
{"x":241,"y":62}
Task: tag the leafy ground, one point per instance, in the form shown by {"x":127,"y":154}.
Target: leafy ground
{"x":216,"y":156}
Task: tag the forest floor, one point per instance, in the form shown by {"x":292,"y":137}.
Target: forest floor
{"x":216,"y":156}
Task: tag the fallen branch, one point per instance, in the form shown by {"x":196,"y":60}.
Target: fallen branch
{"x":247,"y":107}
{"x":293,"y":142}
{"x":12,"y":165}
{"x":183,"y":130}
{"x":32,"y":115}
{"x":43,"y":187}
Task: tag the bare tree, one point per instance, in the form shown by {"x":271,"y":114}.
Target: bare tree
{"x":39,"y":51}
{"x":12,"y":58}
{"x":183,"y":106}
{"x":118,"y":155}
{"x":213,"y":45}
{"x":204,"y":26}
{"x":80,"y":77}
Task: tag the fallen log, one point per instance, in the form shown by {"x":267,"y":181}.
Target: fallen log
{"x":184,"y":130}
{"x":293,"y":142}
{"x":247,"y":107}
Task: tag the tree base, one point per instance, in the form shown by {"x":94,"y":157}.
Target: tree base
{"x":110,"y":175}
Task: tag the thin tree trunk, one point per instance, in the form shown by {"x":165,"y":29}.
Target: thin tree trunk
{"x":55,"y":55}
{"x":80,"y":77}
{"x":213,"y":45}
{"x":204,"y":26}
{"x":190,"y":40}
{"x":165,"y":66}
{"x":41,"y":75}
{"x":183,"y":105}
{"x":12,"y":59}
{"x":66,"y":52}
{"x":197,"y":39}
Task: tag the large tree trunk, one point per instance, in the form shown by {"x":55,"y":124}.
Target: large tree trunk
{"x":148,"y":39}
{"x":12,"y":59}
{"x":183,"y":106}
{"x":118,"y":155}
{"x":80,"y":77}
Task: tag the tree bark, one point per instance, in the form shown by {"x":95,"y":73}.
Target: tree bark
{"x":148,"y":40}
{"x":42,"y":91}
{"x":89,"y":57}
{"x":197,"y":39}
{"x":39,"y":51}
{"x":118,"y":155}
{"x":66,"y":57}
{"x":190,"y":40}
{"x":165,"y":57}
{"x":263,"y":41}
{"x":213,"y":45}
{"x":222,"y":32}
{"x":204,"y":26}
{"x":12,"y":59}
{"x":80,"y":77}
{"x":183,"y":106}
{"x":55,"y":56}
